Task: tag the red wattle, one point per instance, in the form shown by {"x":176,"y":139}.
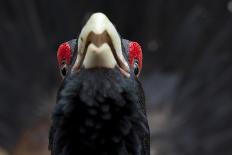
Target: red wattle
{"x":135,"y":52}
{"x":64,"y":53}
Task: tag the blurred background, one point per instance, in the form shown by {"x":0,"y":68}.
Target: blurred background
{"x":187,"y":71}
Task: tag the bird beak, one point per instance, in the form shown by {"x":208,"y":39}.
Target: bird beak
{"x":99,"y":46}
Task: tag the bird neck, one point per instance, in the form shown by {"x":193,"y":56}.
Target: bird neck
{"x":99,"y":117}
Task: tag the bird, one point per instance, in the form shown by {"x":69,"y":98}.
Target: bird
{"x":100,"y":107}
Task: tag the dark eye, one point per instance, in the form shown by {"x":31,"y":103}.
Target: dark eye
{"x":64,"y":70}
{"x":136,"y":67}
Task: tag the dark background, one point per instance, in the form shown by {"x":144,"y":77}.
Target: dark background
{"x":187,"y":69}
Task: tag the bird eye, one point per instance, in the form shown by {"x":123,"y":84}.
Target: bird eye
{"x":136,"y":67}
{"x":64,"y":70}
{"x":135,"y":57}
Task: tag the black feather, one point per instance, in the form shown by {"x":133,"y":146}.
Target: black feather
{"x":99,"y":111}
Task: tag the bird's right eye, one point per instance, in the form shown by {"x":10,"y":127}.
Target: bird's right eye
{"x":64,"y":70}
{"x":64,"y":58}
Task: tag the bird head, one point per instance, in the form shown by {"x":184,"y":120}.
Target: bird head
{"x":99,"y":45}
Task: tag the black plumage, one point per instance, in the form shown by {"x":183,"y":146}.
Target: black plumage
{"x":98,"y":112}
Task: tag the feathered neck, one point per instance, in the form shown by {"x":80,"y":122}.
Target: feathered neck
{"x":98,"y":112}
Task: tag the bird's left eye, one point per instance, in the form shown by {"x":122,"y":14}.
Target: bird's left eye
{"x":135,"y":57}
{"x":136,"y":67}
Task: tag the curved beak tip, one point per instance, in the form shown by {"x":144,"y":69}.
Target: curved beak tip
{"x":99,"y":44}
